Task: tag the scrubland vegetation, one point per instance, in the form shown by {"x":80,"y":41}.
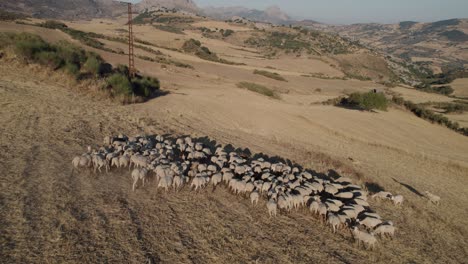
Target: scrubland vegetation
{"x":363,"y":101}
{"x":195,"y":47}
{"x":258,"y":88}
{"x":424,"y":113}
{"x":271,"y":75}
{"x":79,"y":64}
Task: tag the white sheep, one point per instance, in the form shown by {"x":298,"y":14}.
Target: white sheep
{"x":272,"y":206}
{"x":254,"y":196}
{"x":216,"y":179}
{"x":366,"y":238}
{"x":385,"y":230}
{"x":177,"y":182}
{"x":433,"y":198}
{"x":333,"y":221}
{"x":397,"y":199}
{"x":135,"y":177}
{"x":370,"y":222}
{"x":165,"y":182}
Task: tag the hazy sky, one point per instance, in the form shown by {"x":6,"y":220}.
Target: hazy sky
{"x":358,"y":11}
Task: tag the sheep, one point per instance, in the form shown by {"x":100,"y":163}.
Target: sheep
{"x":254,"y":196}
{"x":115,"y":162}
{"x":165,"y":182}
{"x":369,"y":222}
{"x":344,"y":195}
{"x":366,"y":238}
{"x":333,"y":221}
{"x":271,"y":206}
{"x":286,"y":186}
{"x":135,"y":176}
{"x":397,"y":199}
{"x":81,"y":161}
{"x":99,"y":162}
{"x":385,"y":230}
{"x":314,"y":207}
{"x":216,"y":179}
{"x":177,"y":182}
{"x":433,"y":198}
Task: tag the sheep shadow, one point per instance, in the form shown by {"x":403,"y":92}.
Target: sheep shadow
{"x":409,"y":187}
{"x":374,"y":187}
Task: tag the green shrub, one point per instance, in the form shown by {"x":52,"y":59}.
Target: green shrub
{"x":191,"y":45}
{"x":49,"y":58}
{"x":422,"y":112}
{"x":26,"y":46}
{"x":258,"y":89}
{"x":228,"y":32}
{"x":71,"y":53}
{"x":271,"y":75}
{"x":94,"y":65}
{"x":53,"y":24}
{"x":145,"y":86}
{"x":72,"y":69}
{"x":366,"y":101}
{"x":120,"y":84}
{"x":170,"y":29}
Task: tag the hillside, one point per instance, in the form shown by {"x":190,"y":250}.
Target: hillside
{"x":183,"y":5}
{"x":272,"y":14}
{"x":51,"y":214}
{"x":438,"y":46}
{"x":256,"y":88}
{"x":67,"y":9}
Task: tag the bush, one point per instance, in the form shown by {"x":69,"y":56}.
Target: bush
{"x":72,"y":69}
{"x":71,"y":53}
{"x":50,"y":59}
{"x":170,"y":29}
{"x":191,"y":45}
{"x":271,"y":75}
{"x":228,"y":32}
{"x":53,"y":24}
{"x":258,"y":89}
{"x":120,"y":84}
{"x":145,"y":86}
{"x":94,"y":65}
{"x":26,"y":46}
{"x":429,"y":115}
{"x":366,"y":101}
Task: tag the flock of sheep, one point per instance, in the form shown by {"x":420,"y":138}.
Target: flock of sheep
{"x":178,"y":162}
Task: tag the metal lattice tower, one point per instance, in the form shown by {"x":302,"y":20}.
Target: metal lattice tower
{"x":131,"y":56}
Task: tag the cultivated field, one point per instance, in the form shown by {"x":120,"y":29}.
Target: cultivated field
{"x":52,"y":215}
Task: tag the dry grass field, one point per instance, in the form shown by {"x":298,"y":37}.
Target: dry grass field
{"x":51,"y":215}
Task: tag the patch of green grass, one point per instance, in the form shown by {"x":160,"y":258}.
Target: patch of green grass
{"x":366,"y":101}
{"x":194,"y":46}
{"x":254,"y":87}
{"x":271,"y":75}
{"x":170,"y":29}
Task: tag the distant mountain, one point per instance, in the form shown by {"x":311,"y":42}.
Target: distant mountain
{"x":183,"y":5}
{"x":87,"y":9}
{"x":439,"y":45}
{"x":272,"y":14}
{"x":65,"y":9}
